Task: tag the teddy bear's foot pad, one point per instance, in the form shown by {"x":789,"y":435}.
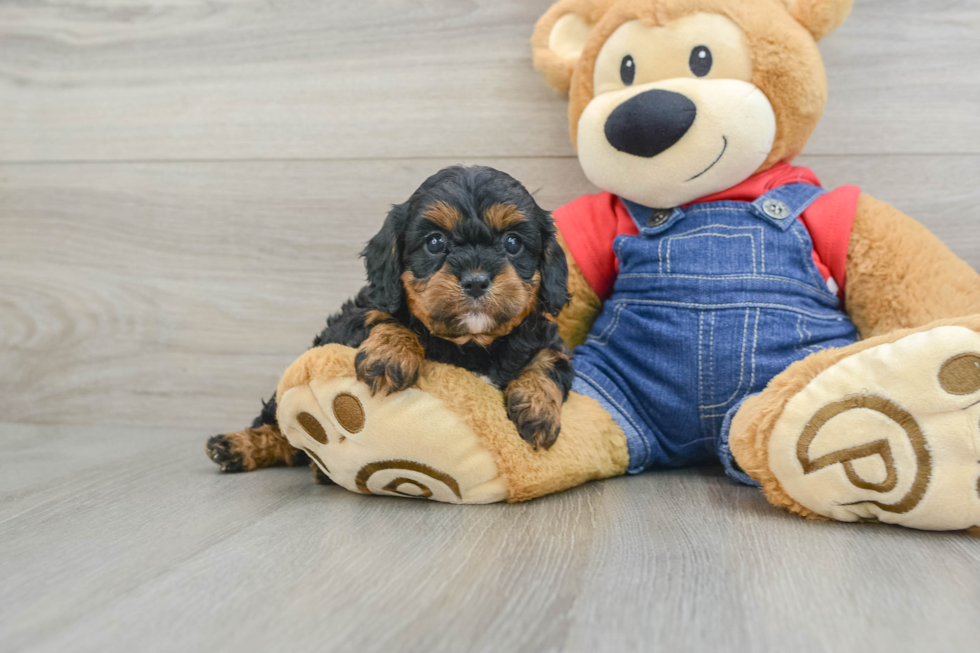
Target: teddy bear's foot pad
{"x":891,"y":433}
{"x":405,"y":444}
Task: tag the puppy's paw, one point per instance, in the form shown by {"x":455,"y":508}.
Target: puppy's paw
{"x":534,"y":405}
{"x":250,"y":449}
{"x":230,"y":452}
{"x":390,"y":359}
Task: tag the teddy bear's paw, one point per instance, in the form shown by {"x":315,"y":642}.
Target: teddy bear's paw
{"x":891,"y":433}
{"x":406,"y":444}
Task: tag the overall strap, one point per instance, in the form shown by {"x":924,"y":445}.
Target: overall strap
{"x":783,"y":205}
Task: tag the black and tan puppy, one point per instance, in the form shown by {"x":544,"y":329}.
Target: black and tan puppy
{"x":468,"y":272}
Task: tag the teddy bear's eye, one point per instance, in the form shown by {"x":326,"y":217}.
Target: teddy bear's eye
{"x":700,"y":61}
{"x":627,"y":70}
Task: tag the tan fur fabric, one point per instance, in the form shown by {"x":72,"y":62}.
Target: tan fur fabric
{"x":558,"y":71}
{"x":820,"y":17}
{"x":575,"y":321}
{"x":754,"y":423}
{"x":591,"y":446}
{"x":901,"y":276}
{"x":786,"y":63}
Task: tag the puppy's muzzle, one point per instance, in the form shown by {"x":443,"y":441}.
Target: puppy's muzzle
{"x":475,"y":284}
{"x":650,"y":123}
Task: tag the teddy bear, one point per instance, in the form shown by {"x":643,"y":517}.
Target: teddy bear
{"x":818,"y":343}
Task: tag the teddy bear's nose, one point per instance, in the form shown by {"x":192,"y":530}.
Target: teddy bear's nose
{"x":650,"y":123}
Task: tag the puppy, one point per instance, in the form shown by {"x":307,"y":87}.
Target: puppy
{"x":468,"y":272}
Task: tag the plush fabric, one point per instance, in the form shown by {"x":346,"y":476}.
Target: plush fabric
{"x":447,"y":438}
{"x":755,"y":423}
{"x":881,"y":429}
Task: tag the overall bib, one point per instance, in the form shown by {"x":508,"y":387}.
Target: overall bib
{"x":710,"y":303}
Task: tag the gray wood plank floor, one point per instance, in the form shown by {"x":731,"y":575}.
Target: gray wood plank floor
{"x":183,"y":189}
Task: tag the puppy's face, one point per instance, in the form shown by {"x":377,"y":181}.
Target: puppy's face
{"x":474,"y":256}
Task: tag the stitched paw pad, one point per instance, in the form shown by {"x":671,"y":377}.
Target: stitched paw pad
{"x":406,"y":444}
{"x":890,"y":433}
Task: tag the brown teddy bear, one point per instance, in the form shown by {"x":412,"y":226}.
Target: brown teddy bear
{"x":708,"y":297}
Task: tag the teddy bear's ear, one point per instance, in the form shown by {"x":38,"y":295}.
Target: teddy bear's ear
{"x":819,"y":17}
{"x":560,"y":35}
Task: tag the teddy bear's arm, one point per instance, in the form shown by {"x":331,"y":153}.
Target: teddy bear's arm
{"x":899,"y":275}
{"x":575,"y":320}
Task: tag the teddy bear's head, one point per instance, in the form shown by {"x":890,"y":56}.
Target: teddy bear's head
{"x":672,"y":100}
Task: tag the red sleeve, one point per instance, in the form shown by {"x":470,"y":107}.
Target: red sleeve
{"x":589,"y":226}
{"x":829,"y":221}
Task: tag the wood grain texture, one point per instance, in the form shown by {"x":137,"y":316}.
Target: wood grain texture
{"x":236,"y":79}
{"x":175,"y":294}
{"x":184,"y":187}
{"x":156,"y":551}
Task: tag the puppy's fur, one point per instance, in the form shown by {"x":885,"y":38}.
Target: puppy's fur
{"x":468,"y":272}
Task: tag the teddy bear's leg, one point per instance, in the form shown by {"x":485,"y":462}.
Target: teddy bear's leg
{"x":886,"y":429}
{"x":447,"y":438}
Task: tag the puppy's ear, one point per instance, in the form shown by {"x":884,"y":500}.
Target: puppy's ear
{"x":382,"y":259}
{"x":553,"y":293}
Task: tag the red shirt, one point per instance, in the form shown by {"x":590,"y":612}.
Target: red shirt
{"x":591,"y":223}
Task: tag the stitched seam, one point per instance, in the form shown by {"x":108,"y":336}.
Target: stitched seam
{"x":718,"y":225}
{"x":741,"y":368}
{"x":805,"y":337}
{"x":808,"y":263}
{"x":827,"y":317}
{"x":688,"y":237}
{"x":711,"y":353}
{"x":622,"y":411}
{"x":807,"y":334}
{"x":602,"y":339}
{"x":660,"y":254}
{"x":755,"y":347}
{"x":762,"y":233}
{"x":719,"y":208}
{"x":816,"y":291}
{"x":700,"y":351}
{"x":799,"y":332}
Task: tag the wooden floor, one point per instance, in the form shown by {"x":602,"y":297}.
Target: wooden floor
{"x":183,"y":189}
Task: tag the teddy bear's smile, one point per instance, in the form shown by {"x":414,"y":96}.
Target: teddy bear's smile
{"x":724,"y":147}
{"x":636,"y":143}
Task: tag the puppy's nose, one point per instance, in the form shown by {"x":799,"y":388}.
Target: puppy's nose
{"x":650,"y":122}
{"x":475,"y":284}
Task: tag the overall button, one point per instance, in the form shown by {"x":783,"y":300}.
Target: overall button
{"x":658,"y":217}
{"x":775,"y":209}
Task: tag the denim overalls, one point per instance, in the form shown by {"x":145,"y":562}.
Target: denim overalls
{"x":711,"y":302}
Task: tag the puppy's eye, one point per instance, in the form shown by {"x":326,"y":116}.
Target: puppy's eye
{"x":700,"y":61}
{"x":513,"y":244}
{"x":435,"y":243}
{"x":627,"y":70}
